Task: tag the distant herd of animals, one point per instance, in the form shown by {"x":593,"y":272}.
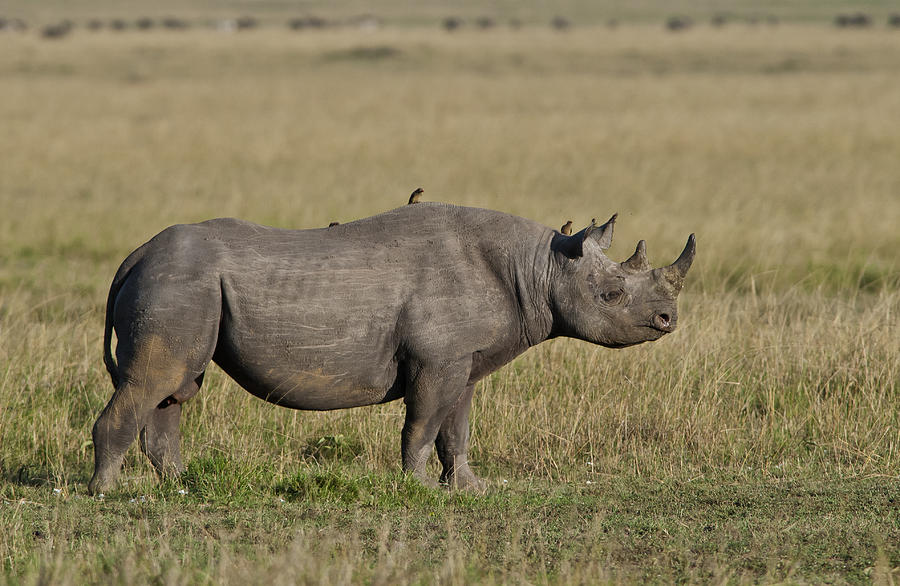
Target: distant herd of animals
{"x":368,"y":22}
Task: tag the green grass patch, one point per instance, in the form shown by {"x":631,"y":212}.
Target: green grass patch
{"x":218,"y":478}
{"x":361,"y":526}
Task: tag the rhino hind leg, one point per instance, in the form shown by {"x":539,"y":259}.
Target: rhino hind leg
{"x":160,"y":439}
{"x":113,"y":433}
{"x":147,"y":403}
{"x":452,"y":446}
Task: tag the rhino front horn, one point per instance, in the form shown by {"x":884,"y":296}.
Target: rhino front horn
{"x":674,"y":273}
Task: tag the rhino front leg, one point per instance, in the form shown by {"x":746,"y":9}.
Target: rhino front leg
{"x":452,"y":445}
{"x":432,"y":392}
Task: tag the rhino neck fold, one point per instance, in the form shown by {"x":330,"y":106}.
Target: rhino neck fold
{"x":531,"y":284}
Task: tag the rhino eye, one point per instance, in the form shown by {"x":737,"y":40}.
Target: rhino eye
{"x":614,"y":296}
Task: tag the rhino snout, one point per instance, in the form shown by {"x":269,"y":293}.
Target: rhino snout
{"x":663,"y":322}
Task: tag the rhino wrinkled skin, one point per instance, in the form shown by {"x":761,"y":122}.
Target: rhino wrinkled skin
{"x":416,"y":303}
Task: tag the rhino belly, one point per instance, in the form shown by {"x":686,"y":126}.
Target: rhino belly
{"x":308,"y":383}
{"x":297,"y":364}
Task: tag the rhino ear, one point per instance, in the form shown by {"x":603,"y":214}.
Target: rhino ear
{"x":603,"y":235}
{"x":572,"y":247}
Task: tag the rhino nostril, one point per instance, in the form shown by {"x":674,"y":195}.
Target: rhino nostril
{"x":662,"y":321}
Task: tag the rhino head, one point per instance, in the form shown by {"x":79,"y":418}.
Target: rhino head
{"x":609,"y":303}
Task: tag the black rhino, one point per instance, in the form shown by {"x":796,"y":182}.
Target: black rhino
{"x":417,"y":303}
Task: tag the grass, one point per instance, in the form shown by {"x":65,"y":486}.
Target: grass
{"x":336,"y":526}
{"x":757,"y":443}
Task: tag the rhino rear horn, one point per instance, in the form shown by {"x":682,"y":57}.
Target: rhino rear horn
{"x":638,"y":262}
{"x":674,"y":273}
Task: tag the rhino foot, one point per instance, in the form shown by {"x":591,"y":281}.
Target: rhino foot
{"x":99,"y":484}
{"x":462,"y":478}
{"x":426,"y":481}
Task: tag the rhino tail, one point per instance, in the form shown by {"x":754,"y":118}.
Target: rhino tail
{"x":118,"y":281}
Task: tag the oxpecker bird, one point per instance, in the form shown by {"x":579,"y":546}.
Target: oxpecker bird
{"x":567,"y":228}
{"x":414,"y":198}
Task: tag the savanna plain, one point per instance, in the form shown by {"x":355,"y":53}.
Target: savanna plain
{"x":760,"y":442}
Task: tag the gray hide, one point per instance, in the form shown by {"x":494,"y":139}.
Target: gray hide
{"x":419,"y":302}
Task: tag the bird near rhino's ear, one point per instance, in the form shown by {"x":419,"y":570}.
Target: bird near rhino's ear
{"x":572,"y":247}
{"x":603,"y":235}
